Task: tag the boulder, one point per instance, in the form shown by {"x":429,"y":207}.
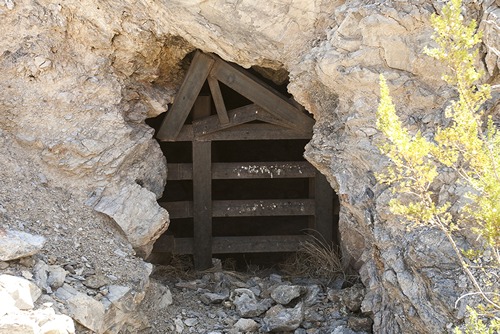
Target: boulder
{"x":84,"y":309}
{"x":137,"y":213}
{"x":17,"y":244}
{"x":23,"y":292}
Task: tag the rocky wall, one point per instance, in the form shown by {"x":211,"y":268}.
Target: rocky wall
{"x":78,"y":79}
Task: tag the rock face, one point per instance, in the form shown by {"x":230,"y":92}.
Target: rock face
{"x":79,"y":78}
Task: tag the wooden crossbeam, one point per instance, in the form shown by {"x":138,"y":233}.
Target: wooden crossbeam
{"x":188,"y":92}
{"x":238,"y":116}
{"x":220,"y":107}
{"x":227,"y":245}
{"x":263,"y":95}
{"x":263,"y":170}
{"x":245,"y":208}
{"x":245,"y":132}
{"x":245,"y":170}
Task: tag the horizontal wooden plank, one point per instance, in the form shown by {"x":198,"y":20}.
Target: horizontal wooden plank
{"x":226,"y":245}
{"x":179,"y":171}
{"x":236,"y":116}
{"x":258,"y":208}
{"x":245,"y":208}
{"x":263,"y":170}
{"x":180,"y":209}
{"x":246,"y":170}
{"x":244,"y":132}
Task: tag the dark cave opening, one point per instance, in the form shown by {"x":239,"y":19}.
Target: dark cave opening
{"x":288,"y":190}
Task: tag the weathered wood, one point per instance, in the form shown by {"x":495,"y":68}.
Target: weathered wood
{"x":202,"y":205}
{"x":186,"y":134}
{"x":227,"y":245}
{"x":246,"y":170}
{"x":220,"y":107}
{"x":179,"y":172}
{"x":323,"y":196}
{"x":258,"y":208}
{"x":262,"y":94}
{"x":263,"y":170}
{"x":179,"y":209}
{"x":202,"y":107}
{"x":245,"y":114}
{"x":245,"y":208}
{"x":189,"y":90}
{"x":165,"y":244}
{"x":245,"y":132}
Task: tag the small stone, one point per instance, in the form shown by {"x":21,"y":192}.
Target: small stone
{"x":70,"y":269}
{"x":284,"y":294}
{"x":360,"y":324}
{"x":179,"y":325}
{"x":350,"y":297}
{"x":216,"y":264}
{"x":42,"y":178}
{"x":10,"y":4}
{"x":26,"y":274}
{"x":313,"y":316}
{"x":343,"y":330}
{"x":166,"y":298}
{"x":246,"y":325}
{"x":280,"y":319}
{"x":4,"y":265}
{"x":247,"y":305}
{"x":190,"y":322}
{"x":112,"y":277}
{"x":41,"y":270}
{"x":27,"y":261}
{"x":213,"y":298}
{"x":56,"y":277}
{"x":275,"y":278}
{"x":96,"y":281}
{"x":312,"y":296}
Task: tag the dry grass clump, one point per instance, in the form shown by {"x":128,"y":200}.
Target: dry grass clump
{"x":316,"y":259}
{"x":179,"y":266}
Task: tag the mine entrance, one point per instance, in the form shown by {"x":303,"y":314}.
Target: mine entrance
{"x":237,"y":180}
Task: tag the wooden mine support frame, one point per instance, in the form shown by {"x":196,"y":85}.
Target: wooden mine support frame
{"x":278,"y":120}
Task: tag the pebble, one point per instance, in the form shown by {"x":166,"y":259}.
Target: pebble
{"x":179,"y":325}
{"x":96,"y":281}
{"x":190,"y":322}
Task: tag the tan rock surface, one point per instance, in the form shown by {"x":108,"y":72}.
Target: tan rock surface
{"x":79,"y":78}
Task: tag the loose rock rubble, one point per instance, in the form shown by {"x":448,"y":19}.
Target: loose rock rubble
{"x":225,"y":302}
{"x":45,"y":294}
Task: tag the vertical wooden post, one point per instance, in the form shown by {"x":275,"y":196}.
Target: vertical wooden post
{"x":202,"y":193}
{"x":323,"y":198}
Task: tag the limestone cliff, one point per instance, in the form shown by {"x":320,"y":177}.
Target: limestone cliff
{"x":78,"y":79}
